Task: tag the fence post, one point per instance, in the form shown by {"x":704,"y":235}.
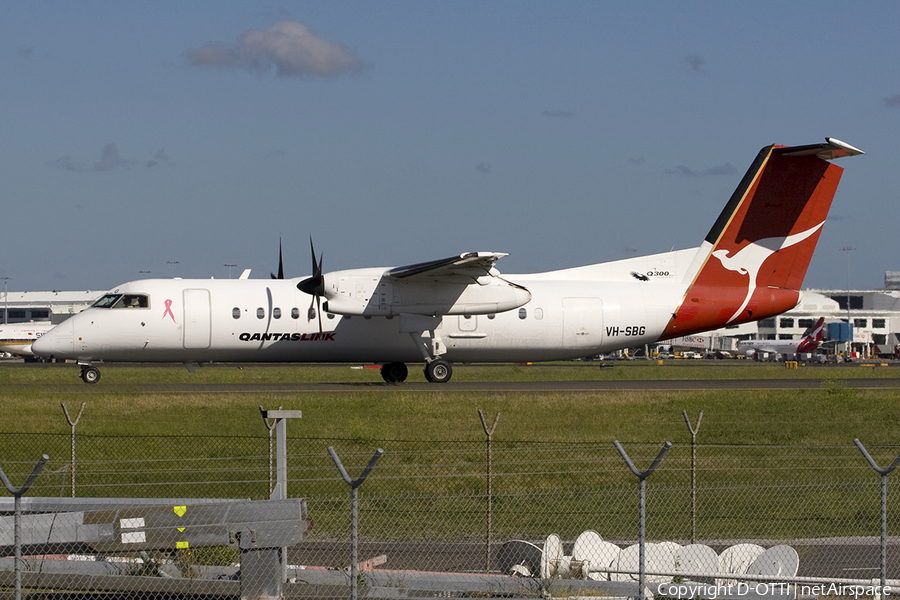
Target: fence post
{"x":489,"y":433}
{"x":884,"y":472}
{"x":270,"y":427}
{"x":72,"y":424}
{"x":642,"y":477}
{"x":693,"y":431}
{"x":354,"y":512}
{"x":17,"y":517}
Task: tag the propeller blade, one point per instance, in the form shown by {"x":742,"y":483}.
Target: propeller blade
{"x":319,"y":311}
{"x":280,"y":263}
{"x":311,"y":311}
{"x":314,"y":285}
{"x":316,"y":269}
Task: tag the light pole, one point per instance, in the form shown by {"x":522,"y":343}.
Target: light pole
{"x":229,"y":268}
{"x":172,"y":263}
{"x":847,"y":250}
{"x":5,"y":300}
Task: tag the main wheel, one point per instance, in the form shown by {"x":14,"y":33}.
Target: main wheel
{"x":438,"y":371}
{"x":394,"y":372}
{"x":90,"y":374}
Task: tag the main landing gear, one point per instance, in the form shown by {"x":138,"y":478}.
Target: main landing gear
{"x":425,"y":334}
{"x":394,"y":372}
{"x":436,"y":371}
{"x":90,"y":374}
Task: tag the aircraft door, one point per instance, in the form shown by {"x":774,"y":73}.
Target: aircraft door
{"x":582,"y":322}
{"x":468,"y":322}
{"x":197,"y":316}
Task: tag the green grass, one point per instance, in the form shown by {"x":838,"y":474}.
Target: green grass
{"x":554,"y":465}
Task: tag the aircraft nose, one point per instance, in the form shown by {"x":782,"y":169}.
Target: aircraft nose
{"x":56,"y":342}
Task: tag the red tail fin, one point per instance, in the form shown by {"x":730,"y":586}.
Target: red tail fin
{"x":758,"y":250}
{"x":812,"y":338}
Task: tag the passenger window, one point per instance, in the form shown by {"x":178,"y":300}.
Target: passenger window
{"x":236,"y":312}
{"x":295,"y":313}
{"x":260,"y":313}
{"x":523,"y":313}
{"x":276,"y":312}
{"x":539,"y":313}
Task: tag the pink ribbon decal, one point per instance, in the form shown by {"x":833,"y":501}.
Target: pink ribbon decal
{"x":169,"y":311}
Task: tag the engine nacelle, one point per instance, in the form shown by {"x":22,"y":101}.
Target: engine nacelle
{"x":367,"y":292}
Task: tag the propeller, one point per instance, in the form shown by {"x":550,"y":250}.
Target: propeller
{"x":280,"y":263}
{"x":314,"y":286}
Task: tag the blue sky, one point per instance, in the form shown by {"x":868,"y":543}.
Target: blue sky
{"x":563,"y":133}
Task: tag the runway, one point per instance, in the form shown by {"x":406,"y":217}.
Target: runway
{"x":335,"y":380}
{"x":508,"y":387}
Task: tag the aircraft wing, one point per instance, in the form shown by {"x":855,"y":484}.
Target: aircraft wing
{"x":471,"y":265}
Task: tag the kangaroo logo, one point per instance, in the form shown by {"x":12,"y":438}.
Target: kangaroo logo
{"x":749,"y":259}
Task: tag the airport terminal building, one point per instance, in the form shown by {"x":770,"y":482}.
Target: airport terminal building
{"x":54,"y":307}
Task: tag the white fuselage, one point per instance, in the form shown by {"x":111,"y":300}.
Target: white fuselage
{"x":751,"y":347}
{"x":571,"y":313}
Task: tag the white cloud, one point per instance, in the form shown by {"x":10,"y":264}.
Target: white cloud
{"x":288,"y":46}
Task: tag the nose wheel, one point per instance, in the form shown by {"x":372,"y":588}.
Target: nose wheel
{"x":438,"y":371}
{"x":90,"y":374}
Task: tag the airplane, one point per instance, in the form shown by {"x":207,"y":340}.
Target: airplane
{"x":750,"y":266}
{"x":808,"y":343}
{"x":17,"y":338}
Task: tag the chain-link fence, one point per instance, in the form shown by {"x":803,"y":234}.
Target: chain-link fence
{"x":561,"y":518}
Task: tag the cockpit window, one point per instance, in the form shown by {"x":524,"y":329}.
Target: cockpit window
{"x":134,"y":301}
{"x":123,"y":301}
{"x":106,"y":301}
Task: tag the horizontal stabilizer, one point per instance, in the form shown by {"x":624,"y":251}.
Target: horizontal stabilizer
{"x":831,"y":149}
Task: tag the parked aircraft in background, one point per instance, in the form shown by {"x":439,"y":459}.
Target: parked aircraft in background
{"x":750,"y":266}
{"x":17,"y":338}
{"x":808,"y":343}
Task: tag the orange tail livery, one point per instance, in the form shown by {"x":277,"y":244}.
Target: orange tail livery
{"x":755,"y":256}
